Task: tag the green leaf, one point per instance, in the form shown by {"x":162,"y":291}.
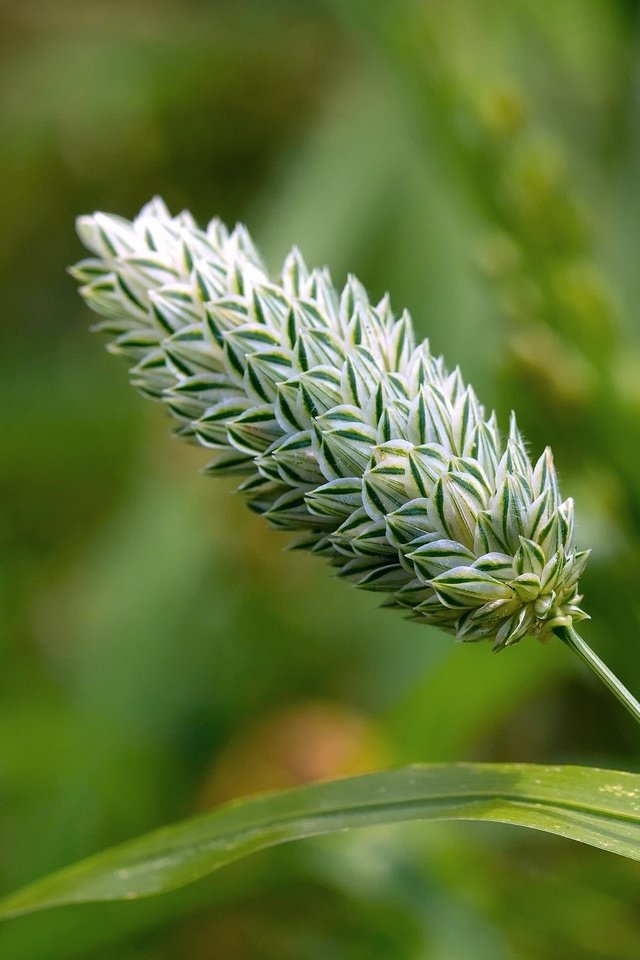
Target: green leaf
{"x":597,"y":807}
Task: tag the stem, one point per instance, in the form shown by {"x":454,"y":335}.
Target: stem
{"x":575,"y":642}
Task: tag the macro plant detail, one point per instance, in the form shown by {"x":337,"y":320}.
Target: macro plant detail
{"x":346,"y":432}
{"x":343,"y":429}
{"x":215,"y":741}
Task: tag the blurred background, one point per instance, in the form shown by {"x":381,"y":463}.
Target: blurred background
{"x":160,"y":651}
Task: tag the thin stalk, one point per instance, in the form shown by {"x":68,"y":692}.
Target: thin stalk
{"x":575,"y":642}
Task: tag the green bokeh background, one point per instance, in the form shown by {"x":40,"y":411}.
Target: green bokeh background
{"x":160,"y":651}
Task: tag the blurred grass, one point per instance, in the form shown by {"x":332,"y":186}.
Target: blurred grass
{"x":481,"y":162}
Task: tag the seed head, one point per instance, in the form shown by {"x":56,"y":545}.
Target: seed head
{"x":340,"y":426}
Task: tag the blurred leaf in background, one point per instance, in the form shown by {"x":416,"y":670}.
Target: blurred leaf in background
{"x":160,"y":651}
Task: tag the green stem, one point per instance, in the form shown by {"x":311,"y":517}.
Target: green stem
{"x":575,"y":642}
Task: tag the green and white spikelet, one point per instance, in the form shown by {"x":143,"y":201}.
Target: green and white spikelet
{"x":342,"y":428}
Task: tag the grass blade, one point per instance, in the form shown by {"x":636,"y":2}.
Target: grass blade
{"x":597,"y":807}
